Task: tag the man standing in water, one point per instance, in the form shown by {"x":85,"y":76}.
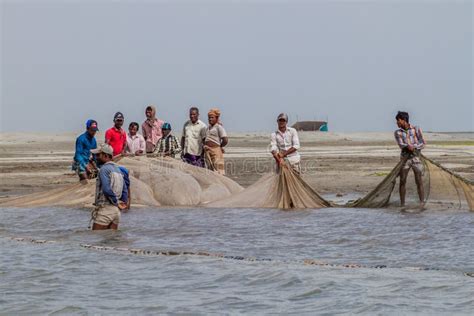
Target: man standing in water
{"x":111,"y":194}
{"x":192,"y":139}
{"x":83,"y":164}
{"x":216,"y":140}
{"x":285,"y":144}
{"x":410,"y":140}
{"x":116,"y":136}
{"x":151,"y":129}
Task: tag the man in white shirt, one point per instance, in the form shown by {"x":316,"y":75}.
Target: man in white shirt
{"x":285,"y":144}
{"x":192,"y":140}
{"x":136,"y":144}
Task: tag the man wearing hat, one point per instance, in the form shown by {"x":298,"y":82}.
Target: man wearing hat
{"x":111,"y":194}
{"x":168,"y":145}
{"x":116,"y":135}
{"x":83,"y":162}
{"x":285,"y":144}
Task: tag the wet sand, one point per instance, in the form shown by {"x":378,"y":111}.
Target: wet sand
{"x":333,"y":163}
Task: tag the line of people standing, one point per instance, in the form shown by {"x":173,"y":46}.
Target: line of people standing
{"x":200,"y":145}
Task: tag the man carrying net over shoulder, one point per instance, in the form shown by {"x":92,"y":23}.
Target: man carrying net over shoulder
{"x":410,"y":139}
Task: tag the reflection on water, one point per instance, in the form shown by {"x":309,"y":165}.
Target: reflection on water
{"x":65,"y":278}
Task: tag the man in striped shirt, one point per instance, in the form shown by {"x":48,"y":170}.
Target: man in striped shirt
{"x":410,"y":140}
{"x":168,"y":145}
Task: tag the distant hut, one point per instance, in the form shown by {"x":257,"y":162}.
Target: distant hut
{"x":311,"y":126}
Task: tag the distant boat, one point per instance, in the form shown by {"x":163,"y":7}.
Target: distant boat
{"x":311,"y":126}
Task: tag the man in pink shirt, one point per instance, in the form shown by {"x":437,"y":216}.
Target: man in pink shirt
{"x":116,"y":136}
{"x":151,"y":129}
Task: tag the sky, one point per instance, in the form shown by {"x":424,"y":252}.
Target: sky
{"x":355,"y":63}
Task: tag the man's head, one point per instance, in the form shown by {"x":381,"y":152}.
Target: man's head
{"x":166,"y":129}
{"x":104,"y":153}
{"x":118,"y":120}
{"x":133,"y":128}
{"x":282,"y":120}
{"x":213,"y":116}
{"x":403,"y":119}
{"x":194,"y":114}
{"x":92,"y":127}
{"x":150,"y":112}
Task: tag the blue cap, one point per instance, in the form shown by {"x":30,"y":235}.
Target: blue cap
{"x":92,"y":124}
{"x":166,"y":126}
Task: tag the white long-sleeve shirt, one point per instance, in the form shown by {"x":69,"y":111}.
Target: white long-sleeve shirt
{"x":284,"y":141}
{"x":135,"y":143}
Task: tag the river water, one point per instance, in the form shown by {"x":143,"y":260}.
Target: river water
{"x":65,"y":278}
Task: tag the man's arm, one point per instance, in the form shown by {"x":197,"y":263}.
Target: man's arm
{"x":177,"y":148}
{"x":158,"y":126}
{"x":124,"y":142}
{"x":224,"y":141}
{"x":78,"y":154}
{"x":399,"y":139}
{"x":273,"y":144}
{"x":182,"y":141}
{"x":274,"y":149}
{"x":203,"y":133}
{"x":295,"y":140}
{"x":160,"y":147}
{"x":223,"y":136}
{"x":144,"y":132}
{"x":421,"y":139}
{"x":107,"y":137}
{"x":183,"y":136}
{"x":126,"y":184}
{"x":142,"y":143}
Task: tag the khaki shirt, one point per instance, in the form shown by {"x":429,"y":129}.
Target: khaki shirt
{"x":215,"y":134}
{"x":193,"y":137}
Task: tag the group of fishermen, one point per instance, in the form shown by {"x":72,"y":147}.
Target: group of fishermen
{"x":201,"y":146}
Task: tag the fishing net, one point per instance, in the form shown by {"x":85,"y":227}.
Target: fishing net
{"x":175,"y":183}
{"x":169,"y":182}
{"x":154,"y":182}
{"x":285,"y":190}
{"x":79,"y":195}
{"x":443,"y":189}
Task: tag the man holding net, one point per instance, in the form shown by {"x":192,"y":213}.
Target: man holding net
{"x":285,"y":144}
{"x":112,"y":187}
{"x":410,"y":140}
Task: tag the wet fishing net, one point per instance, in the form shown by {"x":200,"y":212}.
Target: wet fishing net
{"x":285,"y":190}
{"x":169,"y":182}
{"x":443,"y":189}
{"x":154,"y":182}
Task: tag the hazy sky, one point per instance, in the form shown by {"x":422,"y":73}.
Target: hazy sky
{"x":354,"y":62}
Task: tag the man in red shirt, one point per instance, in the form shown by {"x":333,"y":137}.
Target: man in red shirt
{"x":116,"y":136}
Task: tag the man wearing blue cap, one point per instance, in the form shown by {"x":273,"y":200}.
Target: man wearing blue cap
{"x":168,"y":145}
{"x":83,"y":162}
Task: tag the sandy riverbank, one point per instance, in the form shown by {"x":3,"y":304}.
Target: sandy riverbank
{"x":333,"y":163}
